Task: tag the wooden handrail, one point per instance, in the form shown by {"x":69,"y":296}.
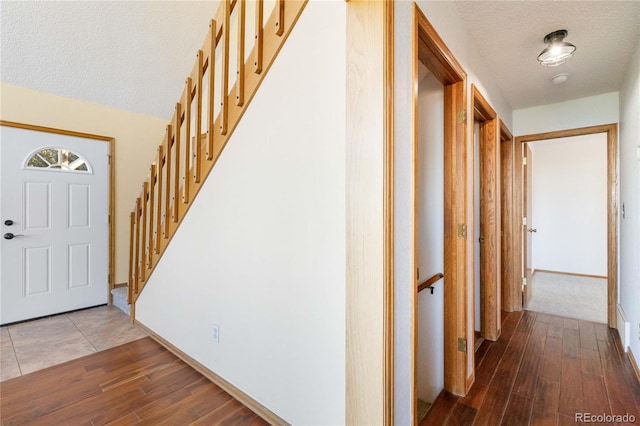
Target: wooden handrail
{"x":184,"y":160}
{"x":429,"y":282}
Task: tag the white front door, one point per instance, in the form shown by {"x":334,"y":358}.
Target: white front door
{"x":55,"y":224}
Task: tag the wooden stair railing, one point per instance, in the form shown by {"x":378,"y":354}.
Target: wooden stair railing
{"x":429,"y":282}
{"x":205,"y":116}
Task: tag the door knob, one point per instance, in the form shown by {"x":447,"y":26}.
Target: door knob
{"x":532,"y":230}
{"x":8,"y":222}
{"x":10,"y":236}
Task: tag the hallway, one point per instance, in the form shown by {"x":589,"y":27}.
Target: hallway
{"x":544,"y":369}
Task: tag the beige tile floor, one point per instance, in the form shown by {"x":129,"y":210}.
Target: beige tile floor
{"x":38,"y":344}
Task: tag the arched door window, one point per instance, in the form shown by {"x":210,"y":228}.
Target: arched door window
{"x":57,"y":159}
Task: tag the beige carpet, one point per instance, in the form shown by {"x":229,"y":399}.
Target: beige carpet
{"x":569,"y":296}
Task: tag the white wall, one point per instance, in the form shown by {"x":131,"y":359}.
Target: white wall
{"x":445,"y":19}
{"x":630,"y":197}
{"x":569,"y":185}
{"x":584,"y":112}
{"x":430,"y":369}
{"x":261,"y":252}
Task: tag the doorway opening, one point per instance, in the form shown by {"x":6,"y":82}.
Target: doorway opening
{"x":566,"y":203}
{"x":487,"y":241}
{"x":56,"y":215}
{"x":446,"y":77}
{"x":430,"y":244}
{"x":527,"y":228}
{"x":509,"y":276}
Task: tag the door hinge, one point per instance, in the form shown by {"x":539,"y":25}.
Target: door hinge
{"x":524,"y":220}
{"x":524,"y":161}
{"x":462,"y":115}
{"x":418,"y":273}
{"x":524,"y":283}
{"x":462,"y":230}
{"x":462,"y":344}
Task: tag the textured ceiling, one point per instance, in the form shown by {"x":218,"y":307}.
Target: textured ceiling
{"x":509,"y":35}
{"x":132,"y":55}
{"x":135,"y":55}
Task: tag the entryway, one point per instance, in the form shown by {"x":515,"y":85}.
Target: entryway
{"x":439,"y":242}
{"x":566,"y":230}
{"x":584,"y":250}
{"x":55,"y":223}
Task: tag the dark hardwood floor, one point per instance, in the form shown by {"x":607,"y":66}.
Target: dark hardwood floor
{"x":542,"y":371}
{"x":136,"y":383}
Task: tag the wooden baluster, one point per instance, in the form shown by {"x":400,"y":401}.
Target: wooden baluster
{"x":240,"y":72}
{"x":137,"y":245}
{"x":187,"y":142}
{"x":132,"y":236}
{"x":152,"y":204}
{"x":212,"y":88}
{"x":145,"y":201}
{"x":167,"y":199}
{"x":212,"y":74}
{"x":224,"y":95}
{"x":279,"y":17}
{"x":259,"y":49}
{"x":176,"y":153}
{"x":196,"y":154}
{"x":161,"y":163}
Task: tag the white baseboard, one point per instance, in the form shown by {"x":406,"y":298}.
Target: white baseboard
{"x":624,"y":327}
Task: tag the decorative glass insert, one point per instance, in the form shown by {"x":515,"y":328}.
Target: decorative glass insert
{"x":57,"y":159}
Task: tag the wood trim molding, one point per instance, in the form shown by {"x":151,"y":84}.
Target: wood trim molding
{"x":612,"y":203}
{"x":434,"y":53}
{"x":509,"y":273}
{"x":430,"y":49}
{"x":368,"y":215}
{"x":570,"y":273}
{"x":634,"y":364}
{"x":262,"y":411}
{"x":112,"y":181}
{"x":54,"y":130}
{"x":389,"y":59}
{"x":418,"y":49}
{"x":482,"y":110}
{"x":603,"y":128}
{"x":490,"y":217}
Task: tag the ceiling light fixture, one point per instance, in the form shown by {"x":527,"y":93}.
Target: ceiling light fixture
{"x":560,"y":78}
{"x":558,"y":52}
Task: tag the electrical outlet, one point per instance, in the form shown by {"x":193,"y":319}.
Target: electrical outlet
{"x":216,"y":334}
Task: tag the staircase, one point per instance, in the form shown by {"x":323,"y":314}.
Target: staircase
{"x":120,"y":299}
{"x":215,"y":96}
